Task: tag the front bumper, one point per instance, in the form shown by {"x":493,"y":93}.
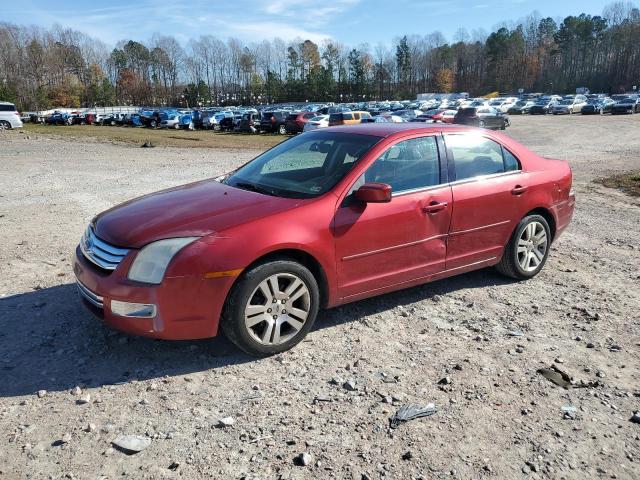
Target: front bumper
{"x":187,"y":307}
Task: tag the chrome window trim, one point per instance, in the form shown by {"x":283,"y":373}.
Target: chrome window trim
{"x":457,"y":182}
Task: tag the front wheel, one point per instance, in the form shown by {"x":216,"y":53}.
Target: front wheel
{"x":271,"y":308}
{"x":481,"y":124}
{"x":527,"y":250}
{"x":282,"y":130}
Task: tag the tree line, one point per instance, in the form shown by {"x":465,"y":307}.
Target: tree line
{"x":58,"y":67}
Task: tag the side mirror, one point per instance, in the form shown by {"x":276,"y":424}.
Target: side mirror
{"x":374,"y":193}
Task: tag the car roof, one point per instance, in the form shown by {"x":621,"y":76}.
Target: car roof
{"x":390,"y":129}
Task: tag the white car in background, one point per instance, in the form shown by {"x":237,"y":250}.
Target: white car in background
{"x":389,"y":119}
{"x":9,"y":116}
{"x":321,"y":121}
{"x":502,"y":104}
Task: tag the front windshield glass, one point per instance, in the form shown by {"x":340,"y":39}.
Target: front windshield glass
{"x":305,"y":166}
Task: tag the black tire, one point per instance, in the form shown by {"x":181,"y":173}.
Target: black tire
{"x":282,"y":130}
{"x":509,"y":265}
{"x":481,"y":124}
{"x":4,"y":125}
{"x":232,"y":321}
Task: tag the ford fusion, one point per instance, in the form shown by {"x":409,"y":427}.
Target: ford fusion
{"x":323,"y":219}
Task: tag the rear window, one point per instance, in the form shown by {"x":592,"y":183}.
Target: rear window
{"x":335,"y":117}
{"x":292,"y":116}
{"x":469,"y":112}
{"x":7,"y":108}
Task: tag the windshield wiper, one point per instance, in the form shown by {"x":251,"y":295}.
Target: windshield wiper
{"x":254,"y":188}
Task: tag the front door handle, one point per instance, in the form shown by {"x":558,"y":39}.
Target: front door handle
{"x":434,"y":207}
{"x":518,"y":190}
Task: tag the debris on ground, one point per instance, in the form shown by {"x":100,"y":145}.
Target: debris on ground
{"x":410,"y":412}
{"x":562,"y":379}
{"x":303,"y":460}
{"x":635,"y":418}
{"x":226,"y":422}
{"x":131,"y":444}
{"x":569,"y":412}
{"x":147,"y":144}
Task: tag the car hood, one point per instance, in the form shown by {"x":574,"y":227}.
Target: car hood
{"x":192,"y":210}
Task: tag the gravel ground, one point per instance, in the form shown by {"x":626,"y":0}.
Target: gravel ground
{"x":471,"y":345}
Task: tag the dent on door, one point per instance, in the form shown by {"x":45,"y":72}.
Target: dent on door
{"x":380,"y":245}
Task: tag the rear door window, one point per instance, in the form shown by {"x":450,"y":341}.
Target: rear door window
{"x":476,"y":156}
{"x":7,"y":108}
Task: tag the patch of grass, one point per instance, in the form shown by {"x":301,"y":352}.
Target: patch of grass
{"x":627,"y":182}
{"x":160,"y":138}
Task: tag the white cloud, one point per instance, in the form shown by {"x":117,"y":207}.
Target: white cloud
{"x":307,"y":11}
{"x":268,"y":30}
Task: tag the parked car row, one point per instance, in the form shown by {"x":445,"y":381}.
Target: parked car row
{"x":292,"y":118}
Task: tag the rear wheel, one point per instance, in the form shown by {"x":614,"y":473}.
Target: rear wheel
{"x":282,"y":130}
{"x":4,"y":125}
{"x":527,"y":250}
{"x":481,"y":123}
{"x":271,"y":308}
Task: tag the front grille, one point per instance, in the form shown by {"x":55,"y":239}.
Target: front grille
{"x":99,"y":252}
{"x":94,"y":299}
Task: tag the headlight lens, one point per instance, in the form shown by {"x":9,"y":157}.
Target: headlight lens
{"x":152,"y":261}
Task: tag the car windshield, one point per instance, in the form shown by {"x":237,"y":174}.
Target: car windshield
{"x":566,"y":102}
{"x":305,"y":166}
{"x":627,"y":101}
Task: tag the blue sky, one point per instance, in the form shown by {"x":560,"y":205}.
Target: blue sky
{"x":349,"y":21}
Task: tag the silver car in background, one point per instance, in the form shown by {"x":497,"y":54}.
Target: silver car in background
{"x":569,"y":105}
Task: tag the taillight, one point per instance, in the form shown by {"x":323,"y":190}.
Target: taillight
{"x":273,"y":119}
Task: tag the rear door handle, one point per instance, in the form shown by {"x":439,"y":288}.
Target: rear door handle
{"x":435,"y":207}
{"x":518,"y":190}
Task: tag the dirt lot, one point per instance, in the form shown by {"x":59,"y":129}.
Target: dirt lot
{"x":497,"y":417}
{"x":159,"y":137}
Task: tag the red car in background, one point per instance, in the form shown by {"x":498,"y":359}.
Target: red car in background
{"x":295,"y":122}
{"x":328,"y":217}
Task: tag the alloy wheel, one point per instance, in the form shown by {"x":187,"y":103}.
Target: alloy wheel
{"x":277,"y":309}
{"x":532,"y":246}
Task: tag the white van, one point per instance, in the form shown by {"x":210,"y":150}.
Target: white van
{"x":9,"y":116}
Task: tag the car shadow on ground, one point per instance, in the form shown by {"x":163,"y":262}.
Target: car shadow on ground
{"x":50,"y":342}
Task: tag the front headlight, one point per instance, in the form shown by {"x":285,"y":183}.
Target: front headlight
{"x":152,"y":261}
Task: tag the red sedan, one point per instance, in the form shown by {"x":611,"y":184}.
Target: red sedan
{"x":325,"y":218}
